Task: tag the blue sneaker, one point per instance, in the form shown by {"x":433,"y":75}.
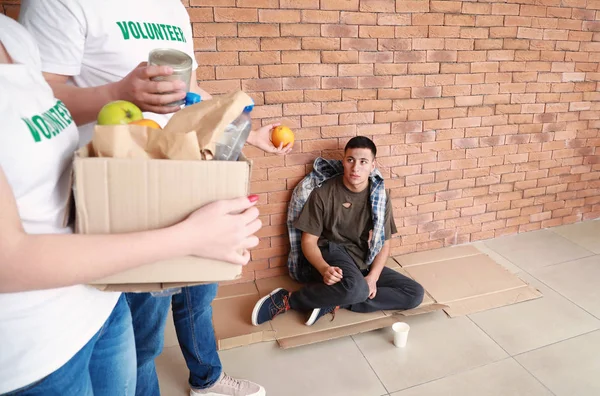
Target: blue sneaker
{"x":317,"y":313}
{"x":271,"y":305}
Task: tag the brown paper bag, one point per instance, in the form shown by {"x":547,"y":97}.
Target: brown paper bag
{"x":136,"y":141}
{"x":209,"y":119}
{"x":191,"y":134}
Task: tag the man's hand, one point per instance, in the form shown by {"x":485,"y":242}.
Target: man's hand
{"x":261,"y":138}
{"x":332,"y":275}
{"x":138,"y":88}
{"x":372,"y":282}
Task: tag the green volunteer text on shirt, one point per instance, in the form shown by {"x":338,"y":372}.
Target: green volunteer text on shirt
{"x":50,"y":123}
{"x":150,"y":31}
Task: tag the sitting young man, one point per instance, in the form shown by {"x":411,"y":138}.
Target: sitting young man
{"x":339,"y":225}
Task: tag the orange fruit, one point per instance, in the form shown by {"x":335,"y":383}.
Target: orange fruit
{"x":282,"y":134}
{"x":146,"y":122}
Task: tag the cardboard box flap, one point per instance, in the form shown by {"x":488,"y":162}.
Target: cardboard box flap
{"x":142,"y":287}
{"x":183,"y":270}
{"x":133,"y":287}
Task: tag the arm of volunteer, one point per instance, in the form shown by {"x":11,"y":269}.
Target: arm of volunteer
{"x":261,"y":138}
{"x":40,"y":261}
{"x":84,"y":104}
{"x":31,"y":262}
{"x":136,"y":87}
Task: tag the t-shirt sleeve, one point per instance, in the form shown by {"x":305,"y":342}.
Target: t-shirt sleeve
{"x":390,"y":223}
{"x":311,"y":217}
{"x":59,"y":28}
{"x":18,"y":43}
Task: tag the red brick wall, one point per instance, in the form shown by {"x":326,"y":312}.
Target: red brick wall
{"x":485,"y":113}
{"x":10,"y":8}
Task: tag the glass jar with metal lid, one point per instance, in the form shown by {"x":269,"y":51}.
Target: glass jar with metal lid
{"x":179,"y":61}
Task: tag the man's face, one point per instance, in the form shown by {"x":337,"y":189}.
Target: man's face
{"x":358,"y":165}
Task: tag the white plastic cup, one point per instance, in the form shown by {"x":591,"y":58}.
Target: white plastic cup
{"x":400,"y":330}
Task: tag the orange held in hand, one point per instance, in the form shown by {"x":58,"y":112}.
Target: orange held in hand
{"x":146,"y":122}
{"x":282,"y":134}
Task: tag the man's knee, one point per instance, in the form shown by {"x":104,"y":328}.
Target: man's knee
{"x":357,"y":289}
{"x":417,"y":296}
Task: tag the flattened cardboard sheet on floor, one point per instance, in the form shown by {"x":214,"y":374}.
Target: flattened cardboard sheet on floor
{"x":460,"y":280}
{"x":233,"y":309}
{"x":466,"y":280}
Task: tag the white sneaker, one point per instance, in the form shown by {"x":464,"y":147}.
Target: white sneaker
{"x":228,"y":386}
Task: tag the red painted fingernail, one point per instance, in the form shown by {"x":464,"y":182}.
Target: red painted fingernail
{"x":253,"y":198}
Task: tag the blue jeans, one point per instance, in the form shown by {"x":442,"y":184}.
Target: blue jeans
{"x":105,"y":366}
{"x":192,"y":314}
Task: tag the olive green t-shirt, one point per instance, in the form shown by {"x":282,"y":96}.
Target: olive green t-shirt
{"x":336,"y":214}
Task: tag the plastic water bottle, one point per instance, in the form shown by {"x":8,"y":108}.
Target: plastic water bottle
{"x":233,"y":139}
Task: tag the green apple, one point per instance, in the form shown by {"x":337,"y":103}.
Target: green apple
{"x":119,"y":112}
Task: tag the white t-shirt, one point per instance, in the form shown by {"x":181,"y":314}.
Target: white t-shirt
{"x":100,"y":42}
{"x":39,"y":330}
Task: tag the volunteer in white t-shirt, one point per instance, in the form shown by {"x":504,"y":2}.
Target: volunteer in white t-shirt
{"x":58,"y":336}
{"x":102,"y":46}
{"x":88,"y":51}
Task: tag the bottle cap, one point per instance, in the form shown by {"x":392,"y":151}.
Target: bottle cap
{"x":191,"y":98}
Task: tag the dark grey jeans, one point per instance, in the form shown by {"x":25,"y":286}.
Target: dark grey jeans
{"x":394,"y":290}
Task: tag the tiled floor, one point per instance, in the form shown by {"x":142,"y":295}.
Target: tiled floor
{"x":548,"y":346}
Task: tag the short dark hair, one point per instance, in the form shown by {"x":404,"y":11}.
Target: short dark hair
{"x":361,"y":142}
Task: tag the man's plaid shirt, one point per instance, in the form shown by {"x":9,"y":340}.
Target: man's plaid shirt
{"x":323,"y":170}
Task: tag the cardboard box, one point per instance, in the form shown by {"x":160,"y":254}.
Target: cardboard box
{"x":127,"y":195}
